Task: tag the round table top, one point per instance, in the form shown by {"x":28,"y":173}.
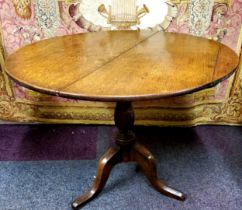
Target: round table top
{"x":121,"y":65}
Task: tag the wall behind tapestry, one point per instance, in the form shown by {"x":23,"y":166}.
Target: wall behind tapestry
{"x":27,"y":21}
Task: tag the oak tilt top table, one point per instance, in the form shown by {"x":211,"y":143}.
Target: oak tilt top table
{"x":122,"y":67}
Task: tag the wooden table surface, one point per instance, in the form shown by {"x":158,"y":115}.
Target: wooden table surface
{"x":121,"y":65}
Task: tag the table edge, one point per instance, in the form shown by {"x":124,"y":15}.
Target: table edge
{"x":132,"y":98}
{"x":140,"y":97}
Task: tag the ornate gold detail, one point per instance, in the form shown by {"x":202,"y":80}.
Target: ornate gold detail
{"x":7,"y":108}
{"x":231,"y":110}
{"x":4,"y":78}
{"x":23,"y":8}
{"x":1,"y":49}
{"x":221,"y":9}
{"x":1,"y":54}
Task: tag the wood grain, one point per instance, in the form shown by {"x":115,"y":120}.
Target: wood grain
{"x":122,"y":65}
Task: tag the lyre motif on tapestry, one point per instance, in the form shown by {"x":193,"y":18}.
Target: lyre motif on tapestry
{"x":123,"y":13}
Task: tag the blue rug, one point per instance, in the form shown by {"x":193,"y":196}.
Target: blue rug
{"x":46,"y":167}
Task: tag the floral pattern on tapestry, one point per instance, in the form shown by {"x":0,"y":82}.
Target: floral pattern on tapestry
{"x":200,"y":13}
{"x":45,"y":22}
{"x":224,"y":26}
{"x":19,"y":31}
{"x":47,"y":16}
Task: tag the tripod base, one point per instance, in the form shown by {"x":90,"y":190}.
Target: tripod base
{"x":128,"y":151}
{"x":113,"y":156}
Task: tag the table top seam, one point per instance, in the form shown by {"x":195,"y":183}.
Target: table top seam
{"x":216,"y":61}
{"x":110,"y":61}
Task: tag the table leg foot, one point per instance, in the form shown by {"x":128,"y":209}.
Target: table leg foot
{"x":105,"y":165}
{"x":146,"y":162}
